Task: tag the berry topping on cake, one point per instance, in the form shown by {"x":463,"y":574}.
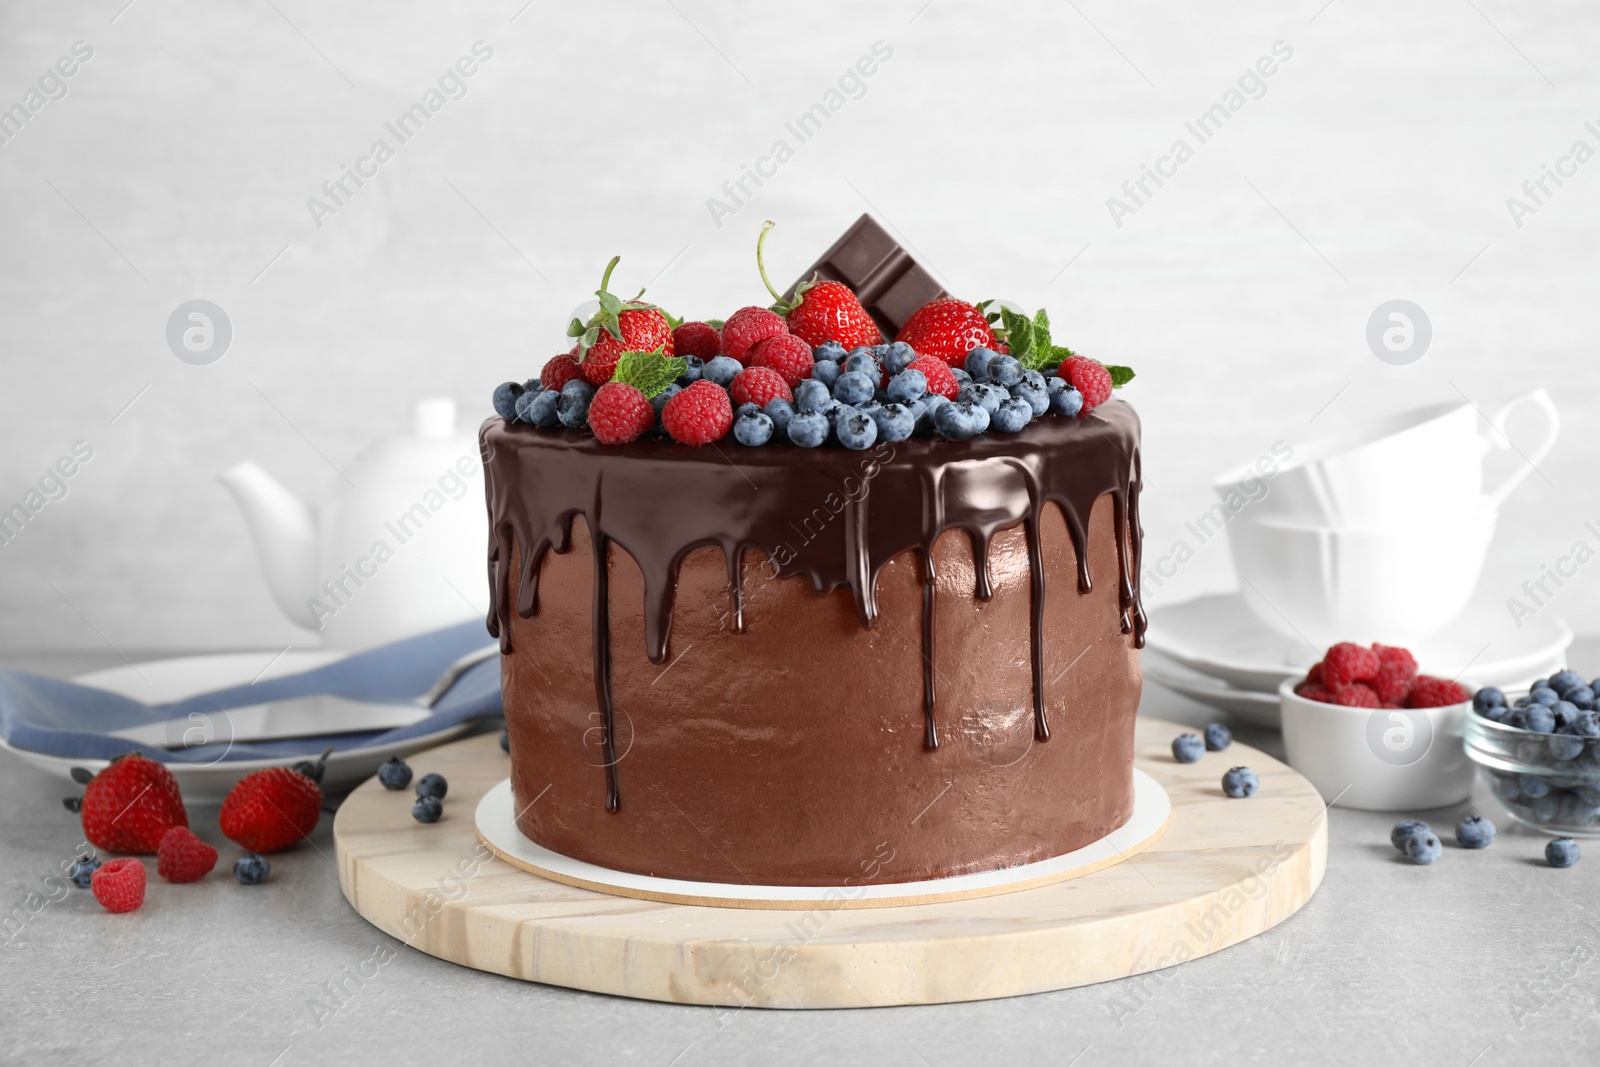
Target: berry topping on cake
{"x":271,"y":809}
{"x":698,"y":339}
{"x":560,"y":370}
{"x":619,"y":326}
{"x":183,"y":857}
{"x":947,"y":329}
{"x":1091,"y":379}
{"x":119,"y":885}
{"x":620,"y":413}
{"x":747,"y":327}
{"x":759,"y":385}
{"x":699,"y":415}
{"x":821,"y":311}
{"x":936,"y":374}
{"x":129,"y":806}
{"x":785,"y":353}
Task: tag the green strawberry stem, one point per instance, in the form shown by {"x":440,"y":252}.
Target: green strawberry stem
{"x":605,"y":279}
{"x":779,"y":305}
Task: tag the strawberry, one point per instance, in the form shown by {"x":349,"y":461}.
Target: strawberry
{"x":947,"y":328}
{"x":271,"y":809}
{"x":759,"y":385}
{"x":1090,"y":378}
{"x":119,"y":885}
{"x":696,"y":339}
{"x":699,"y":415}
{"x":130,"y":804}
{"x":787,"y":354}
{"x":620,"y":413}
{"x":747,"y":327}
{"x":619,"y":326}
{"x":560,"y":370}
{"x":183,"y":857}
{"x":821,"y":310}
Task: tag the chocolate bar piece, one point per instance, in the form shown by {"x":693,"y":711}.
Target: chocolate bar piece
{"x":889,"y":282}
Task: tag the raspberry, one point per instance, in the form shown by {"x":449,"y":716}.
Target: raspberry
{"x":1089,"y":378}
{"x":1430,"y":692}
{"x":620,"y":413}
{"x":1315,"y":675}
{"x":560,"y":370}
{"x":1314,"y":691}
{"x":1392,"y":654}
{"x":748,"y":327}
{"x":696,"y":339}
{"x":1346,"y":663}
{"x":787,"y":354}
{"x":1355,"y":695}
{"x":1393,"y":681}
{"x":183,"y":857}
{"x":699,"y":415}
{"x":759,"y":386}
{"x":937,"y":371}
{"x":119,"y":884}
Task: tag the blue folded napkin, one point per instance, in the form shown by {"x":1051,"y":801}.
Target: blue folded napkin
{"x":58,"y":718}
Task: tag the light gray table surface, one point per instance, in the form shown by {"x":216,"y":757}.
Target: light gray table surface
{"x":1484,"y":958}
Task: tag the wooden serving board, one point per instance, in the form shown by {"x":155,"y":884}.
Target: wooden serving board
{"x":1223,"y":871}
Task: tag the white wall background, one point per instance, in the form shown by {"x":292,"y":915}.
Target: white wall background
{"x":1377,"y":165}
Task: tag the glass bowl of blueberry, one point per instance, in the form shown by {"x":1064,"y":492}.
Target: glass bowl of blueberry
{"x":1539,"y":752}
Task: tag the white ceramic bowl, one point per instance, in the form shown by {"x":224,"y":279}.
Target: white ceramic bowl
{"x":1378,"y":759}
{"x":1399,"y":584}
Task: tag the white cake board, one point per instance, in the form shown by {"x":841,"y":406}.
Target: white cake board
{"x":496,"y":828}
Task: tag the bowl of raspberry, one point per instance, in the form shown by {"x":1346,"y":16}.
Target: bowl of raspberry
{"x":1539,"y":752}
{"x":1372,"y":732}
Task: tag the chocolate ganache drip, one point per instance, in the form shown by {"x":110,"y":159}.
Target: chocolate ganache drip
{"x":658,"y":501}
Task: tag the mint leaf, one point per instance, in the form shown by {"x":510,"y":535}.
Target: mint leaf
{"x":1120,"y":376}
{"x":649,"y":372}
{"x":1040,"y":350}
{"x":715,"y":324}
{"x":1018,"y":333}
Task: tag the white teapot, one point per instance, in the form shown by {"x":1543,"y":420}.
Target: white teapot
{"x":398,"y":547}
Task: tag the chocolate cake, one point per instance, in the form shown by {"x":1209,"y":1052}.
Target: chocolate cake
{"x":818,"y":666}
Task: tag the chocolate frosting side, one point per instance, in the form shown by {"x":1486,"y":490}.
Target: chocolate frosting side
{"x":659,"y":501}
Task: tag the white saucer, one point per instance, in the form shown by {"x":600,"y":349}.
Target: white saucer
{"x":163,"y":681}
{"x":1217,"y":635}
{"x":1247,"y":705}
{"x":497,"y":829}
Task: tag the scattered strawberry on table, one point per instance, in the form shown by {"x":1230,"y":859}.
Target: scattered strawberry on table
{"x":808,"y":371}
{"x":127,"y":807}
{"x":271,"y":809}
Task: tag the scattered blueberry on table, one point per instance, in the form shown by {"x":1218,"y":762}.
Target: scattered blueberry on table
{"x":395,"y":774}
{"x":432,"y":785}
{"x":1561,"y":852}
{"x":83,"y":870}
{"x":505,"y":741}
{"x":251,"y":869}
{"x":1475,"y":832}
{"x":1218,"y":737}
{"x":1240,"y":782}
{"x":1423,"y":847}
{"x":1188,"y":748}
{"x":427,"y":809}
{"x":1404,"y":829}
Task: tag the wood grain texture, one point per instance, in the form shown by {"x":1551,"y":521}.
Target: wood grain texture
{"x":1224,"y":871}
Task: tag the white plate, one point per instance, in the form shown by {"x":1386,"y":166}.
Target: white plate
{"x":1217,"y":635}
{"x":1258,"y":709}
{"x":163,"y":681}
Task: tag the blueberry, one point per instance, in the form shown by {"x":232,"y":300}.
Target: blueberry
{"x":659,"y":401}
{"x":573,"y":407}
{"x":1563,"y":713}
{"x":722,"y":370}
{"x":895,"y":422}
{"x":985,"y":395}
{"x":1187,"y":748}
{"x":432,"y":785}
{"x":753,"y":428}
{"x":827,"y":373}
{"x":505,"y":745}
{"x":1564,"y":747}
{"x":1012,"y":415}
{"x":1005,"y":371}
{"x":522,"y":406}
{"x":828,"y":352}
{"x":1404,"y":829}
{"x":854,"y":387}
{"x":1562,"y":681}
{"x":1533,"y":787}
{"x":1033,"y":391}
{"x":1488,"y":697}
{"x":505,"y":400}
{"x":1218,"y":737}
{"x":83,"y":870}
{"x":908,"y":386}
{"x":1587,"y":724}
{"x":395,"y":774}
{"x":808,"y":429}
{"x":1562,"y":852}
{"x":1583,"y":696}
{"x":977,"y":363}
{"x":780,"y":411}
{"x":962,"y":377}
{"x":811,"y":396}
{"x":1240,"y":782}
{"x":544,"y":410}
{"x":1517,"y":719}
{"x":427,"y":809}
{"x":898,"y":357}
{"x":1543,"y":809}
{"x":1544,"y":695}
{"x":1423,"y":847}
{"x":696,"y":368}
{"x":863,"y":362}
{"x":957,"y":421}
{"x":1066,"y":401}
{"x":925,"y":418}
{"x":857,"y":430}
{"x":1541,"y":720}
{"x":251,"y":869}
{"x":1475,"y":832}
